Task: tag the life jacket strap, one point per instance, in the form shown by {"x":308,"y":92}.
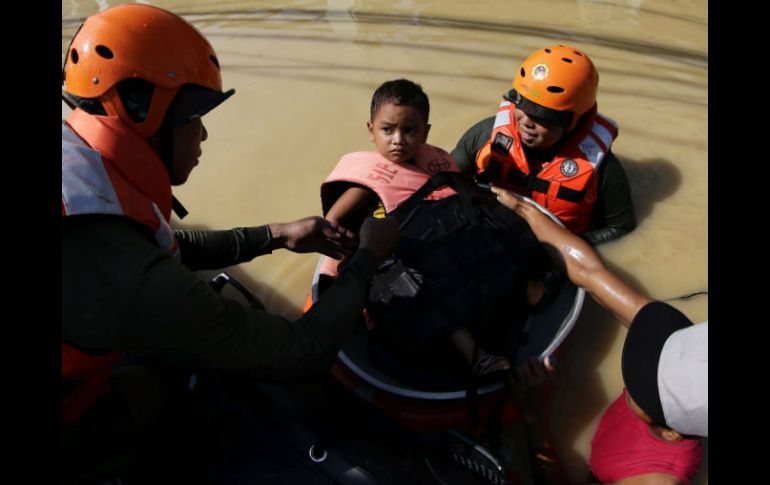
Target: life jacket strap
{"x":437,"y":180}
{"x":532,"y":183}
{"x":564,"y":193}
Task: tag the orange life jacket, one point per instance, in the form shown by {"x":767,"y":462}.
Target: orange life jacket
{"x":107,"y":169}
{"x":392,"y":182}
{"x":84,"y":378}
{"x":566,"y":185}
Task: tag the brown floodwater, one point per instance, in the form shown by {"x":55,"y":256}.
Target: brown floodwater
{"x":304,"y":72}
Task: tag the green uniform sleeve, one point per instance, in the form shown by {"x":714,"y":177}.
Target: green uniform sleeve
{"x":176,"y":316}
{"x":120,"y":291}
{"x":470,"y":143}
{"x":218,"y":249}
{"x":613,"y":215}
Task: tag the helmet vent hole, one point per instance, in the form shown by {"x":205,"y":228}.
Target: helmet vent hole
{"x":548,"y":51}
{"x":215,"y":61}
{"x":567,"y":60}
{"x":74,"y":56}
{"x":104,"y":51}
{"x":136,"y":96}
{"x":523,"y":72}
{"x":555,"y":89}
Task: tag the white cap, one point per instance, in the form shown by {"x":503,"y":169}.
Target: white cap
{"x":683,"y":380}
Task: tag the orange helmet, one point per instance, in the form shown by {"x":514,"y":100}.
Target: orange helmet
{"x":561,"y":78}
{"x":137,"y":41}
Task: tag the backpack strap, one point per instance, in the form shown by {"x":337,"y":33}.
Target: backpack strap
{"x":451,"y":179}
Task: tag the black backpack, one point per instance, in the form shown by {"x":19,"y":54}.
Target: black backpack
{"x":462,"y":261}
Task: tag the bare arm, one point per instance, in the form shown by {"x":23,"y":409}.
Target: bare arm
{"x":582,"y":263}
{"x":351,"y":205}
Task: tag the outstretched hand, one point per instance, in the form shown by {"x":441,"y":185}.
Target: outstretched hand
{"x":313,"y":235}
{"x":509,"y":199}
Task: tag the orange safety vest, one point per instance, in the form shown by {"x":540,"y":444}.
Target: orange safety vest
{"x":107,"y":169}
{"x":392,"y":182}
{"x":566,"y":185}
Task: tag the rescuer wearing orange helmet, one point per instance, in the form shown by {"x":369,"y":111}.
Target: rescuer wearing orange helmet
{"x":139,"y":79}
{"x":548,"y":142}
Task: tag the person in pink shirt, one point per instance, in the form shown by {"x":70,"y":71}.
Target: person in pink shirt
{"x":652,"y":433}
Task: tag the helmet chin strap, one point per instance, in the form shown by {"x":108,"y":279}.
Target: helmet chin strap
{"x":178,"y":208}
{"x":166,"y":153}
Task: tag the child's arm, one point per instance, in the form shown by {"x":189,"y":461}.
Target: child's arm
{"x":352,"y":207}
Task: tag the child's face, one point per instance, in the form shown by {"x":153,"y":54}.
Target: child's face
{"x":397,"y":131}
{"x":536,"y":133}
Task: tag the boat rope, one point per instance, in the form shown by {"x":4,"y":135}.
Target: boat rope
{"x":690,"y":295}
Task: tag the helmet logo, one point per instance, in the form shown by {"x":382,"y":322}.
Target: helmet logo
{"x":569,"y":168}
{"x":532,"y":91}
{"x":540,"y":72}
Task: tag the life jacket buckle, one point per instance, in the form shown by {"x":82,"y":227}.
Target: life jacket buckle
{"x":398,"y":280}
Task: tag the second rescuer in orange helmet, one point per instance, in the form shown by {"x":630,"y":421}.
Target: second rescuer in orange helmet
{"x":548,"y":141}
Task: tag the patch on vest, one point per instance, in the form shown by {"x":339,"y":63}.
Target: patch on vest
{"x":569,"y":168}
{"x":438,"y":165}
{"x":502,"y":143}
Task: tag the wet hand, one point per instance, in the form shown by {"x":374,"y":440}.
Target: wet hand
{"x":313,"y":235}
{"x":509,"y":199}
{"x":380,"y":236}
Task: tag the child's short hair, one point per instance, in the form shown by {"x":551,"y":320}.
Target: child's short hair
{"x":401,"y":92}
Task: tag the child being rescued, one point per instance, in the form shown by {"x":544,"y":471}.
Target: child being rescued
{"x":363,"y":183}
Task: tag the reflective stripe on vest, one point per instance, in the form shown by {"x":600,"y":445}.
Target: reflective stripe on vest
{"x":85,"y":186}
{"x":87,"y":189}
{"x":597,"y":143}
